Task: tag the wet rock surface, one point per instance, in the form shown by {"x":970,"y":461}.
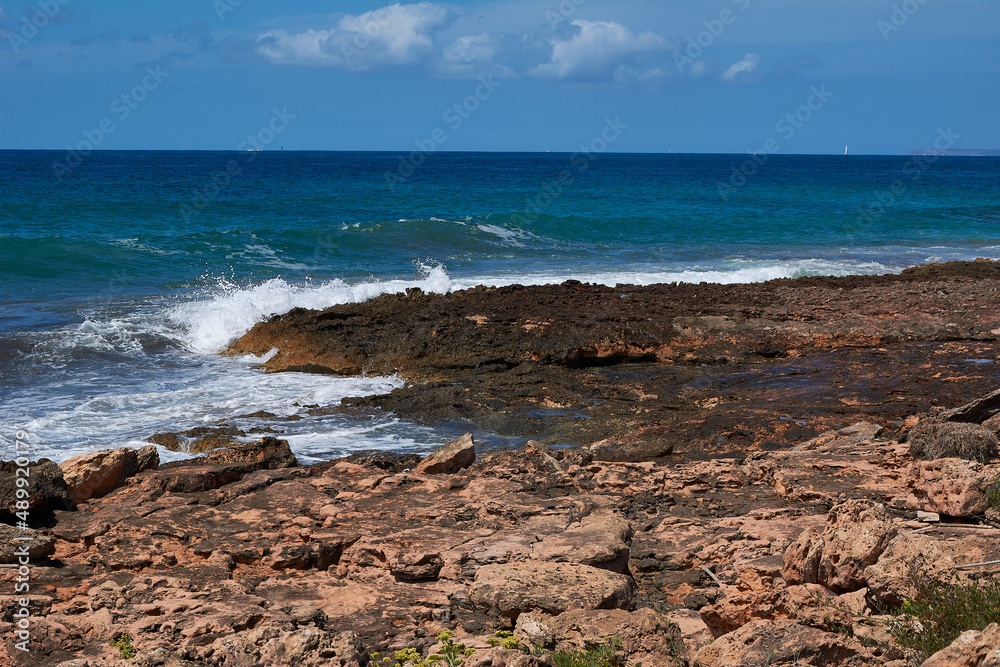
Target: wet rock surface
{"x":693,"y":370}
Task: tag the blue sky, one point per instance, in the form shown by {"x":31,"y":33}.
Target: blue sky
{"x":795,"y":76}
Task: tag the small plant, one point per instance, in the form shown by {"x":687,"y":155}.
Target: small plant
{"x":124,"y":645}
{"x":505,"y":639}
{"x":941,"y":610}
{"x":603,"y":655}
{"x":451,"y":655}
{"x":952,"y":440}
{"x":993,"y":495}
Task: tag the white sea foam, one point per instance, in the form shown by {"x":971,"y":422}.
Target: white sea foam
{"x":121,"y":412}
{"x":210,"y":324}
{"x":725,"y":273}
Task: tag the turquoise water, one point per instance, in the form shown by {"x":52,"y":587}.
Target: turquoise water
{"x":121,"y":279}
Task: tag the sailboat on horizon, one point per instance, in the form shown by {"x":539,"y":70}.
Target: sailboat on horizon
{"x":845,"y":149}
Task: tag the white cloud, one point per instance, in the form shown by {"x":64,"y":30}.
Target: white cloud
{"x":472,"y":49}
{"x":603,"y":51}
{"x":739,"y":70}
{"x":393,"y":35}
{"x":470,"y":56}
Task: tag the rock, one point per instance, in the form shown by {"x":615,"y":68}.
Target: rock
{"x":952,"y":440}
{"x":810,"y":605}
{"x":451,"y":458}
{"x":647,"y":637}
{"x":98,"y":473}
{"x":846,"y":437}
{"x":267,"y":453}
{"x":390,"y":462}
{"x":148,"y":458}
{"x":13,"y":546}
{"x":518,"y":360}
{"x":977,"y":411}
{"x":856,"y":534}
{"x":993,"y":424}
{"x":269,"y":645}
{"x":701,"y":598}
{"x":890,"y":580}
{"x":974,"y":648}
{"x":783,"y":644}
{"x":952,"y":486}
{"x":198,"y":440}
{"x":535,"y":629}
{"x":600,"y":540}
{"x":515,"y":588}
{"x":415,"y":565}
{"x":546,"y":456}
{"x":46,"y":487}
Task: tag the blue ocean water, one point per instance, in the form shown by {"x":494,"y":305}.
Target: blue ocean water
{"x":122,"y":276}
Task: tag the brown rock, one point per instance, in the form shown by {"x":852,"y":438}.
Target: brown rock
{"x":13,"y":544}
{"x":148,"y":458}
{"x":269,"y":645}
{"x":46,"y":487}
{"x":977,"y":411}
{"x":553,"y":588}
{"x":451,"y":458}
{"x":267,"y":453}
{"x":415,"y":566}
{"x":198,"y":440}
{"x":974,"y":648}
{"x":600,"y":540}
{"x":993,"y":424}
{"x":950,"y":486}
{"x":810,"y":605}
{"x":856,"y":534}
{"x":783,"y":644}
{"x":98,"y":473}
{"x":923,"y":555}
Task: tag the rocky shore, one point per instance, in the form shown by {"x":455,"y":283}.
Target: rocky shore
{"x":755,"y":472}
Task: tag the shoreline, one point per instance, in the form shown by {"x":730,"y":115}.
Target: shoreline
{"x":719,"y":453}
{"x":645,"y":368}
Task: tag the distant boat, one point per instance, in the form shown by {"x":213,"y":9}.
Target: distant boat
{"x":845,"y":150}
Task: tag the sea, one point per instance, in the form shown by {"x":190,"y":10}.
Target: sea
{"x":124,"y":274}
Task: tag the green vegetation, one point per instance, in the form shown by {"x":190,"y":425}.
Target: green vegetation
{"x":124,"y":645}
{"x":943,"y":609}
{"x":993,"y":495}
{"x":451,"y":655}
{"x":504,"y":639}
{"x":604,"y":655}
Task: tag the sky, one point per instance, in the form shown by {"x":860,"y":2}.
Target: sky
{"x":723,"y":76}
